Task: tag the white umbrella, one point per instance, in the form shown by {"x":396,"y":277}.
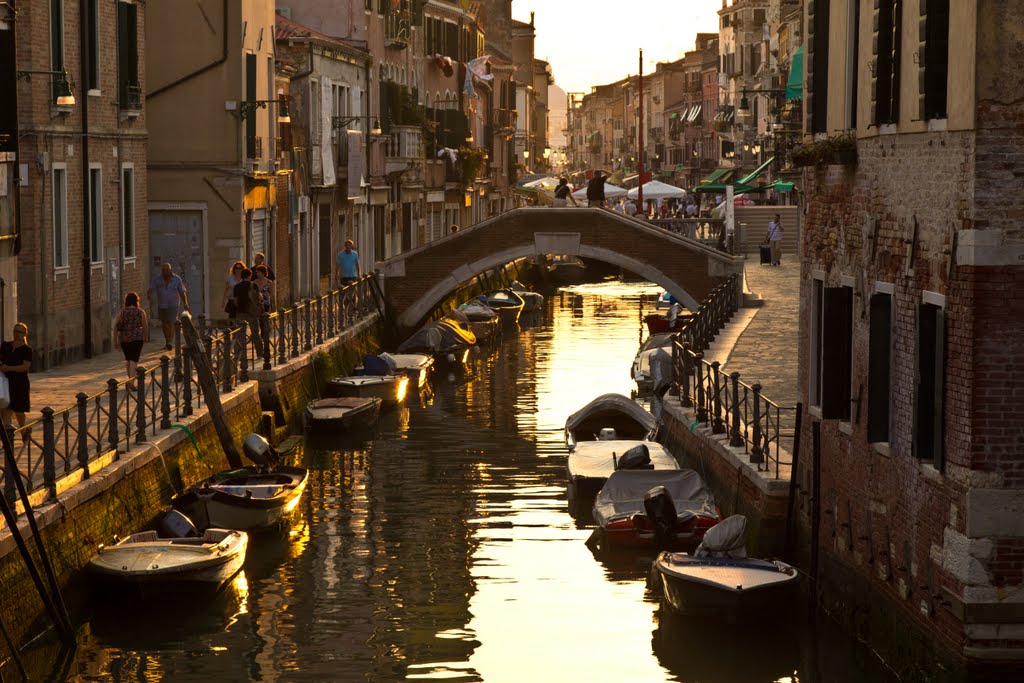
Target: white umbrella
{"x":610,"y":192}
{"x":658,"y":190}
{"x":548,"y":183}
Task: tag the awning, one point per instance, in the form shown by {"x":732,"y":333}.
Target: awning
{"x":719,"y":174}
{"x":746,"y":180}
{"x":695,"y":113}
{"x":795,"y":84}
{"x":782,"y":186}
{"x":719,"y":188}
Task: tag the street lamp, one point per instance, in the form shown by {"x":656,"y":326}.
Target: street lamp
{"x":547,"y":152}
{"x":65,"y":98}
{"x":744,"y":107}
{"x":250,"y":106}
{"x":526,"y":154}
{"x":343,"y":121}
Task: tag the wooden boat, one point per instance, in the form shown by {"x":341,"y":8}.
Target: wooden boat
{"x":655,"y":509}
{"x":592,"y":462}
{"x":565,"y":270}
{"x":720,"y":581}
{"x":342,"y":414}
{"x":483,"y":321}
{"x":146,"y":561}
{"x":620,"y":414}
{"x":246,"y":499}
{"x":532,"y":301}
{"x":390,"y":389}
{"x":641,"y":370}
{"x":416,"y":366}
{"x":506,"y":302}
{"x":447,"y":340}
{"x":673,"y":321}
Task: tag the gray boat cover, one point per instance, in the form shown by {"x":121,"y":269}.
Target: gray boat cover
{"x":596,"y":459}
{"x":477,"y":310}
{"x":612,"y":402}
{"x":459,"y":315}
{"x":726,"y":539}
{"x":623,"y":493}
{"x":427,"y":339}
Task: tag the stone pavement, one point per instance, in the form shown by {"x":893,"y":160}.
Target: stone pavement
{"x":58,"y":386}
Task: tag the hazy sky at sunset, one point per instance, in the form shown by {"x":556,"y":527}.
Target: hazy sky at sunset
{"x":590,"y":42}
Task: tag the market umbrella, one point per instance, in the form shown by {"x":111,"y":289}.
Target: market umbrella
{"x":547,"y":183}
{"x":610,"y":192}
{"x":656,"y":189}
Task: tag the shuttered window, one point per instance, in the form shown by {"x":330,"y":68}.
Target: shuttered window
{"x":880,"y":368}
{"x":836,"y":356}
{"x":933,"y":63}
{"x":929,"y":362}
{"x":250,"y":96}
{"x":816,"y":95}
{"x":885,"y":83}
{"x":128,"y":93}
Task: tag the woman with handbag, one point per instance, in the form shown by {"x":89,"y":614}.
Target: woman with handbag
{"x":132,"y":330}
{"x":17,"y":361}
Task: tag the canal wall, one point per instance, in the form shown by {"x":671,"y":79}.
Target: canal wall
{"x":738,"y":486}
{"x":128,"y":492}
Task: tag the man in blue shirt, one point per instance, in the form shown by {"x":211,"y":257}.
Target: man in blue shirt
{"x":170,"y":290}
{"x":348,"y":264}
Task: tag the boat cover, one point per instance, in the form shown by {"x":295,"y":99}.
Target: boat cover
{"x":727,"y":539}
{"x":459,"y":315}
{"x":477,"y":310}
{"x":427,"y":339}
{"x":377,"y":365}
{"x":455,"y":332}
{"x":611,"y":403}
{"x":503,"y":297}
{"x":594,"y":459}
{"x":623,"y":493}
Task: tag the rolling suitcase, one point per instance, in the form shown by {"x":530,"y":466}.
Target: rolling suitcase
{"x":766,"y":255}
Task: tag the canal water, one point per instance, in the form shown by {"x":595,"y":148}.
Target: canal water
{"x":439,"y":547}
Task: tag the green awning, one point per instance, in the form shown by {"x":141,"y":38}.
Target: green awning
{"x":719,"y":188}
{"x":782,"y":186}
{"x":719,"y":174}
{"x":795,"y":84}
{"x":758,"y":171}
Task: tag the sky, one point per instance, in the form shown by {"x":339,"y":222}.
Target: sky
{"x":590,"y":42}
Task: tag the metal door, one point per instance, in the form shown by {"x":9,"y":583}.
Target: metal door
{"x":177,"y":237}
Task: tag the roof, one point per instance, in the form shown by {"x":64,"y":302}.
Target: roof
{"x":287,"y":29}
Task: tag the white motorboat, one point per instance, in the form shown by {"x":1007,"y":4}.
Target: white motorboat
{"x":416,"y":366}
{"x":391,"y":389}
{"x":147,"y":561}
{"x":610,"y":417}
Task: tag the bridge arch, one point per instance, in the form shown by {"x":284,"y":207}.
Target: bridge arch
{"x":416,"y":282}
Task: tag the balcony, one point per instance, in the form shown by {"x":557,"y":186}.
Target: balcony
{"x":130,"y":97}
{"x":658,"y":134}
{"x":398,"y":29}
{"x":403,"y":148}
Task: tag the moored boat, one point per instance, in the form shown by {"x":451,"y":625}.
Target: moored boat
{"x":483,"y":321}
{"x":148,"y":562}
{"x":719,"y":581}
{"x":506,"y":302}
{"x":641,"y":370}
{"x":247,"y":498}
{"x":416,"y":366}
{"x":447,"y":340}
{"x":592,"y":462}
{"x":610,"y":417}
{"x":654,"y":509}
{"x":532,"y":301}
{"x":672,"y":321}
{"x":342,"y":414}
{"x":565,"y":270}
{"x":390,"y":389}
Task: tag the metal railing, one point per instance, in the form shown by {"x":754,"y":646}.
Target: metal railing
{"x":129,"y":412}
{"x":719,"y":399}
{"x":709,"y":231}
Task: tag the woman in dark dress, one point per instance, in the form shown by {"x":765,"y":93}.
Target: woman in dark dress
{"x":132,"y":328}
{"x":17,"y":361}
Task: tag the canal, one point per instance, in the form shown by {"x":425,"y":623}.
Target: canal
{"x":439,"y":548}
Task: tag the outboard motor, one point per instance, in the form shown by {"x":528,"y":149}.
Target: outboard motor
{"x":607,"y":434}
{"x":661,"y":511}
{"x":259,"y":451}
{"x":636,"y":458}
{"x":177,"y":525}
{"x":375,"y":365}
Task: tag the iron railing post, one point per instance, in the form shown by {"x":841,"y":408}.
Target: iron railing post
{"x":735,"y":438}
{"x":308,"y":310}
{"x":282,"y":340}
{"x":165,"y":392}
{"x":243,"y":353}
{"x":717,"y":425}
{"x":265,"y":326}
{"x":331,"y":299}
{"x":140,"y":404}
{"x":49,"y":455}
{"x":82,"y":404}
{"x":702,"y":408}
{"x":185,"y":407}
{"x":202,"y":325}
{"x":227,"y":340}
{"x":685,"y":397}
{"x":295,"y":330}
{"x":319,"y":320}
{"x":177,"y":349}
{"x":112,"y":431}
{"x":756,"y":453}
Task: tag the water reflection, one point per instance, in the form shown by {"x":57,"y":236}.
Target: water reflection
{"x":439,"y":545}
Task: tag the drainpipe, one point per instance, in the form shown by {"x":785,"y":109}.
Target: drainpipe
{"x":83,"y":48}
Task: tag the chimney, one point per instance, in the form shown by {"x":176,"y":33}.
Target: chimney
{"x":531,"y":18}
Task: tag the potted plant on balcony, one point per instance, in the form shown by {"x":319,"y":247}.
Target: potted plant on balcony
{"x":472,"y":159}
{"x":843,"y":148}
{"x":806,"y":155}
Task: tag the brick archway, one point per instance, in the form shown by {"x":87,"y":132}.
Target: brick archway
{"x":415,"y":282}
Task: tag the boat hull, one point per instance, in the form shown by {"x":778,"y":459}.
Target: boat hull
{"x":208,"y":506}
{"x":697,"y":598}
{"x":485,"y":329}
{"x":323,"y":414}
{"x":390,"y":389}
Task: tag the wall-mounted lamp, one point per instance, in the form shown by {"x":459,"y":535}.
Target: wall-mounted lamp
{"x":249,"y":106}
{"x":469,"y":138}
{"x":526,"y":154}
{"x":343,"y":121}
{"x":744,"y":107}
{"x":547,"y":152}
{"x":65,"y":98}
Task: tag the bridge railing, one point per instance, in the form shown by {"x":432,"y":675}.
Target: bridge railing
{"x":709,"y":231}
{"x":129,"y":412}
{"x":719,"y":399}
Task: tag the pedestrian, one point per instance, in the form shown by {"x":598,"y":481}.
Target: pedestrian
{"x":260,"y":259}
{"x":620,"y":207}
{"x":247,"y":301}
{"x":234,"y":277}
{"x":630,"y":207}
{"x":347,"y":261}
{"x":170,"y":292}
{"x":774,"y":239}
{"x":15,"y":362}
{"x":691,"y":209}
{"x":261,"y":278}
{"x":563,"y":193}
{"x":131,"y":328}
{"x":595,"y":189}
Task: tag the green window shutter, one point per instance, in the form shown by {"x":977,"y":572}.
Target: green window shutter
{"x":836,"y":358}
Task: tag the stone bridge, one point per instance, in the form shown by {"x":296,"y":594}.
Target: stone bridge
{"x":416,"y":281}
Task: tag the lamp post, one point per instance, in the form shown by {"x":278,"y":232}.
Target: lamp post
{"x":640,"y":139}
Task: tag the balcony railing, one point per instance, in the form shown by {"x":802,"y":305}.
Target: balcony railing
{"x":131,"y":97}
{"x":398,"y":28}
